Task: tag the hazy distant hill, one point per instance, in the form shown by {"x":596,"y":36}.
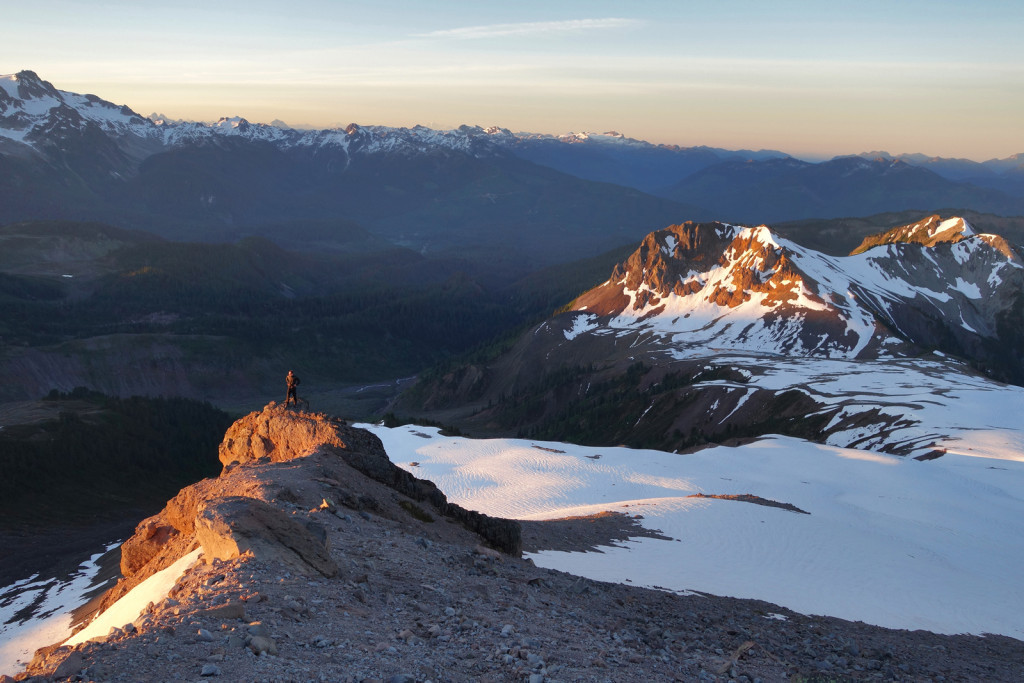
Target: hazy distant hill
{"x":789,"y":189}
{"x":613,"y":158}
{"x":1006,"y":175}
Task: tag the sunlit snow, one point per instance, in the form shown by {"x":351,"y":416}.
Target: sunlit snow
{"x":855,"y":289}
{"x":897,"y":542}
{"x":131,"y":606}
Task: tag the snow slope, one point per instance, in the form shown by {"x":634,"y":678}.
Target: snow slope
{"x":933,"y":545}
{"x":131,"y":606}
{"x":47,"y":601}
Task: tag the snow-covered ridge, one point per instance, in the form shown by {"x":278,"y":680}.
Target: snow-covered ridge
{"x":29,"y":104}
{"x":30,"y":107}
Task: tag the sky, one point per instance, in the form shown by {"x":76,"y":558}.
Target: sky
{"x":809,"y":78}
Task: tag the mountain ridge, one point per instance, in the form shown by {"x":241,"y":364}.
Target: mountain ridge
{"x":709,"y":332}
{"x":210,"y":174}
{"x":790,"y":189}
{"x":74,"y":157}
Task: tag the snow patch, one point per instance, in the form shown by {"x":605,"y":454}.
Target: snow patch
{"x":580,"y":324}
{"x":133,"y":604}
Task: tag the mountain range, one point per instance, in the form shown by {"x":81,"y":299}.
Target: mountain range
{"x":485,"y":192}
{"x":77,"y":157}
{"x":140,"y":255}
{"x":790,"y":189}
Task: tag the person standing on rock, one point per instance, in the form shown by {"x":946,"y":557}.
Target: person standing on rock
{"x":292,"y":380}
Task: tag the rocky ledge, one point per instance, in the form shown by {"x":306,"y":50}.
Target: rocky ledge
{"x":320,"y":560}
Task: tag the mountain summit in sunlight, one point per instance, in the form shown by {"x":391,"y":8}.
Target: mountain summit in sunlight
{"x":710,"y":331}
{"x":701,"y":286}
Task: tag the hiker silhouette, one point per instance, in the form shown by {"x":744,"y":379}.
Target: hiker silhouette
{"x":292,"y":381}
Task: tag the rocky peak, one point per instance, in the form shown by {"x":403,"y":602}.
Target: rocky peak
{"x":278,"y":463}
{"x":730,"y":264}
{"x":278,"y":435}
{"x":927,"y":232}
{"x":32,"y":87}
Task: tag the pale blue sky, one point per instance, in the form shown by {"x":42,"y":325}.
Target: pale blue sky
{"x":809,"y":78}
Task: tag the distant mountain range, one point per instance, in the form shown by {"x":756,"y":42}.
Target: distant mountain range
{"x":77,"y":157}
{"x":1001,"y":174}
{"x":433,"y":241}
{"x":790,"y":189}
{"x":711,"y":331}
{"x":486,"y":193}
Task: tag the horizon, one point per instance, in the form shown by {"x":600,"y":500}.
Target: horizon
{"x":815,"y":82}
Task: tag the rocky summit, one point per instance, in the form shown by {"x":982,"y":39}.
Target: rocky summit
{"x":932,"y":284}
{"x":319,"y":560}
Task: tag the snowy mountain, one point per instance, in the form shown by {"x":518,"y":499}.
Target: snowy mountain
{"x":731,"y":287}
{"x":33,"y":112}
{"x":713,"y":331}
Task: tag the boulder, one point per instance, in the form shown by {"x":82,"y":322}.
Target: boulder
{"x":278,"y":434}
{"x":229,"y":527}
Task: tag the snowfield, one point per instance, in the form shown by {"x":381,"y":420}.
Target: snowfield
{"x":934,"y":545}
{"x":50,"y":602}
{"x":892,"y":541}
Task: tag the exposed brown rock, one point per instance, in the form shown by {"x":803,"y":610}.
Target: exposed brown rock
{"x":272,"y":457}
{"x":229,"y":527}
{"x":669,"y":261}
{"x":278,"y":435}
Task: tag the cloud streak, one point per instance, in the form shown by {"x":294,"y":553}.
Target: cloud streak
{"x":533,"y":28}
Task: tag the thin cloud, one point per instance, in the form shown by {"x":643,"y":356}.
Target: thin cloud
{"x":531,"y":28}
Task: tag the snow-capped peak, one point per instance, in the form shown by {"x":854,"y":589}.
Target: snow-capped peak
{"x":231,"y":122}
{"x":701,"y":286}
{"x":30,"y":105}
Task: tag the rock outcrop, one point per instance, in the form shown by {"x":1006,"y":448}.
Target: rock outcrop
{"x":278,"y":461}
{"x":230,"y":527}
